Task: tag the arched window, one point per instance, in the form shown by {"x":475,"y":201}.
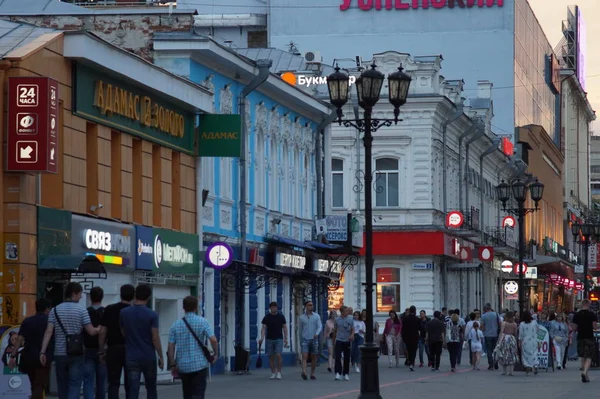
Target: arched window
{"x":386,"y":183}
{"x":388,"y":289}
{"x":337,"y":183}
{"x":208,"y":174}
{"x":274,"y":183}
{"x":285,"y":181}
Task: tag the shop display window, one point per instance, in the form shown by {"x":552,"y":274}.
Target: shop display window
{"x":388,"y":290}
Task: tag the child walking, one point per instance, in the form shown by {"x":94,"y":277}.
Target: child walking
{"x":476,"y":338}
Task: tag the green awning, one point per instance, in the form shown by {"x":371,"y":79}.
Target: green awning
{"x":73,"y":264}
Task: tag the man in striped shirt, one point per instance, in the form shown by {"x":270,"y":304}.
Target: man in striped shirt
{"x":68,"y":318}
{"x":189,"y":361}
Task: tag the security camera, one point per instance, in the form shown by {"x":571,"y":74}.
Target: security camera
{"x":100,"y":206}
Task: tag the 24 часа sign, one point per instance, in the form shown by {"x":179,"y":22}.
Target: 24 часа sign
{"x":166,"y":251}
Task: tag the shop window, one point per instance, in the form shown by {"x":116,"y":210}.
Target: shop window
{"x":386,"y":183}
{"x":388,"y":290}
{"x":337,"y":183}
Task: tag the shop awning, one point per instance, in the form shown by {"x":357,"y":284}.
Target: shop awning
{"x":277,"y":239}
{"x":85,"y":264}
{"x":553,"y":264}
{"x":320,"y":245}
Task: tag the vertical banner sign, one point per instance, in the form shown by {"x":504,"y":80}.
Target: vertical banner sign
{"x":543,"y":348}
{"x":32,"y":140}
{"x":220,"y":136}
{"x":13,"y":383}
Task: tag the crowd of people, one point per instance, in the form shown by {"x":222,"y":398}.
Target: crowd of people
{"x":506,"y":339}
{"x":92,"y":348}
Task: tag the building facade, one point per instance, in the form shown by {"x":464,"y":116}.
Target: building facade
{"x":278,"y":262}
{"x":124,"y":186}
{"x":419,"y":259}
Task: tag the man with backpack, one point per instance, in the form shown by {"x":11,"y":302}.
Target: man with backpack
{"x":95,"y":369}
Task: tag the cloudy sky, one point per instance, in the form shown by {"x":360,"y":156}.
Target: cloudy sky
{"x":551,"y":13}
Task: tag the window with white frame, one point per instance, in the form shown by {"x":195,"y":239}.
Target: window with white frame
{"x":226,"y":181}
{"x":295,"y":186}
{"x":306,"y":188}
{"x":275,"y":181}
{"x":259,"y":173}
{"x":388,"y":289}
{"x":387,"y":182}
{"x":337,"y":183}
{"x":285,"y":183}
{"x":208,"y":173}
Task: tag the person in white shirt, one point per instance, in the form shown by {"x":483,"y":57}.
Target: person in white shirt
{"x":359,"y":338}
{"x":476,"y":338}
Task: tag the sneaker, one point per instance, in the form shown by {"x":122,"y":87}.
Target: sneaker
{"x":347,"y":377}
{"x":272,"y":376}
{"x":357,"y":369}
{"x":338,"y":377}
{"x":433,"y":369}
{"x":420,"y":365}
{"x":278,"y":376}
{"x":412,"y":368}
{"x":329,"y":369}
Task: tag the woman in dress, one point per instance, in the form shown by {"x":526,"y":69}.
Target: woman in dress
{"x":559,"y":333}
{"x":476,"y":340}
{"x":392,"y":333}
{"x":329,"y":327}
{"x":507,"y":350}
{"x":359,"y":339}
{"x":528,"y":341}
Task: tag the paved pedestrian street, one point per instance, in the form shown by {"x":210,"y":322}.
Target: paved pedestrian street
{"x":401,"y":383}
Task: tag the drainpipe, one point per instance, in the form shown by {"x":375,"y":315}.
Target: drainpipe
{"x":263,"y":74}
{"x":493,"y":148}
{"x":480,"y":134}
{"x":466,"y":134}
{"x":319,"y":162}
{"x":457,"y":114}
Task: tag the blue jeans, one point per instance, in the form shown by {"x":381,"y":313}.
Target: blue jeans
{"x":490,"y":345}
{"x":355,"y":351}
{"x":95,"y":374}
{"x":423,"y":347}
{"x":69,"y":375}
{"x":134,"y":374}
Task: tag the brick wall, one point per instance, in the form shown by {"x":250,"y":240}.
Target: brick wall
{"x":130,"y":32}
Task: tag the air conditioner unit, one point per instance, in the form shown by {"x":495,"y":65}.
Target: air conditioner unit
{"x":313,"y":56}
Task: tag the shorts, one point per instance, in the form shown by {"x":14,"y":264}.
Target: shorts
{"x":330,"y":342}
{"x":310,"y":346}
{"x":273,"y":347}
{"x":476,"y":347}
{"x":586,"y":348}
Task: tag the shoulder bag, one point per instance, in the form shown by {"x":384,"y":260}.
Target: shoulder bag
{"x":209,"y":356}
{"x":74,"y":341}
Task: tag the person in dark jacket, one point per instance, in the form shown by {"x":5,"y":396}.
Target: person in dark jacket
{"x":436,"y":333}
{"x":31,"y":335}
{"x":410,"y":335}
{"x":94,"y":379}
{"x":423,"y":321}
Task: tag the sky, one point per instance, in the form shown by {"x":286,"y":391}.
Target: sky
{"x":551,"y":13}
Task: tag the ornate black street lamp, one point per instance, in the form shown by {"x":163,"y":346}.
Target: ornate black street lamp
{"x":368,"y":88}
{"x":518,"y":189}
{"x":586,"y":231}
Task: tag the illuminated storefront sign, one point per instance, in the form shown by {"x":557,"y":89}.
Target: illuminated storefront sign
{"x":367,"y":5}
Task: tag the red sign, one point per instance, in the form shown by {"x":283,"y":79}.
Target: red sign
{"x":32,"y":141}
{"x":367,"y":5}
{"x":466,"y":254}
{"x":508,"y":148}
{"x":454,"y":219}
{"x":486,"y":253}
{"x":509,"y":221}
{"x":517,"y":268}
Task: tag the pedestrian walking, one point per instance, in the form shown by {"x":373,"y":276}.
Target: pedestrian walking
{"x":359,"y":339}
{"x":186,"y":355}
{"x":436,"y":336}
{"x":468,"y":328}
{"x":454,"y":338}
{"x":490,"y":325}
{"x":410,"y":335}
{"x":343,"y":334}
{"x":476,"y":338}
{"x":31,"y":335}
{"x":507,"y":351}
{"x":463,"y":324}
{"x":585,"y":322}
{"x":94,"y":379}
{"x":67,"y":322}
{"x":528,"y":341}
{"x":424,"y":320}
{"x":309,"y":327}
{"x":329,"y":326}
{"x":392,"y":334}
{"x":112,"y":343}
{"x":139,"y":325}
{"x":274,"y":327}
{"x":559,"y":333}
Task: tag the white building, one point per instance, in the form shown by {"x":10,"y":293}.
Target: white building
{"x":417,"y":259}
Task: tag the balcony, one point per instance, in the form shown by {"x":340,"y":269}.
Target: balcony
{"x":470,"y":227}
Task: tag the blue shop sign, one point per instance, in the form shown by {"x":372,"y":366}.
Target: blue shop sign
{"x":145,"y":248}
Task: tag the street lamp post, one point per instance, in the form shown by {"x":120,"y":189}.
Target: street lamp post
{"x":586,"y":231}
{"x":518,"y":190}
{"x":368,"y":88}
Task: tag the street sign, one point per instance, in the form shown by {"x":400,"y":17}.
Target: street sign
{"x":32,"y":140}
{"x":337,"y":228}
